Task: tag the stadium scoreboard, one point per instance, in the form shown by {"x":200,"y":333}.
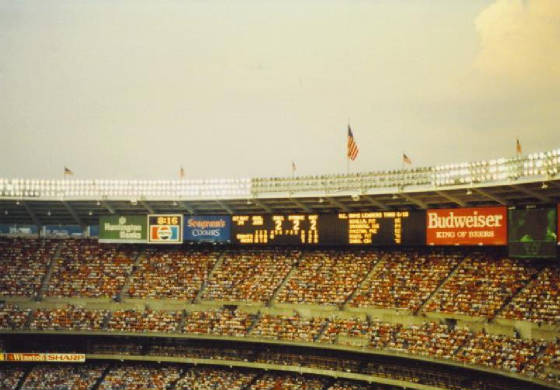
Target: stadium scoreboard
{"x":374,"y":228}
{"x":366,"y":228}
{"x":291,"y":229}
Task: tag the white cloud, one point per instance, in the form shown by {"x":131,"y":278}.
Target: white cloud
{"x":520,"y":43}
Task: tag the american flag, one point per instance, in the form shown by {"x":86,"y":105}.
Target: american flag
{"x":518,"y":147}
{"x":352,"y":152}
{"x":405,"y":159}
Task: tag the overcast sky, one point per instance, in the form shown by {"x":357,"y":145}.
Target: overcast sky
{"x":135,"y":89}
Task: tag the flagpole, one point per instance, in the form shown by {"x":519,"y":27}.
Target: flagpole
{"x":347,"y":154}
{"x":402,"y":169}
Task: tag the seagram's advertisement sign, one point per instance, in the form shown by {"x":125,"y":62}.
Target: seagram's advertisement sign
{"x":467,"y":226}
{"x":209,"y":228}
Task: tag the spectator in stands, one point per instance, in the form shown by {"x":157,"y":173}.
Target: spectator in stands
{"x":75,"y":377}
{"x":327,"y":277}
{"x":250,"y":276}
{"x":481,"y":286}
{"x":88,"y":269}
{"x":404,"y":280}
{"x":539,"y":301}
{"x":171,"y":273}
{"x":23,"y":263}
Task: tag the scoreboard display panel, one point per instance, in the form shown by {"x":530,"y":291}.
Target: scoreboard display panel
{"x":378,"y":228}
{"x":363,"y":228}
{"x":165,"y":229}
{"x":532,"y":233}
{"x":279,"y":229}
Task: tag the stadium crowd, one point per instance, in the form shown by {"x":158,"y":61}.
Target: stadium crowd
{"x":64,"y":377}
{"x":401,"y":279}
{"x":222,"y":322}
{"x":288,"y":382}
{"x":528,"y":357}
{"x":142,"y":376}
{"x":68,"y":317}
{"x":171,"y":273}
{"x":327,"y":277}
{"x":121,"y":348}
{"x":10,"y":376}
{"x":88,"y":269}
{"x":163,"y":376}
{"x":539,"y":301}
{"x":481,"y":286}
{"x":146,"y":321}
{"x":292,"y":328}
{"x":502,"y":352}
{"x":23,"y":264}
{"x":250,"y":276}
{"x":404,"y":280}
{"x":211,"y":378}
{"x":12,"y":316}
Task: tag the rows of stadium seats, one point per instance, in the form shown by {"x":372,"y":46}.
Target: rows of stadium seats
{"x":327,"y":277}
{"x":221,"y":322}
{"x":430,"y":339}
{"x":10,"y":376}
{"x":539,"y":301}
{"x":481,"y":286}
{"x":404,"y":280}
{"x":473,"y":285}
{"x":250,"y":275}
{"x":171,"y":273}
{"x":147,"y":376}
{"x":162,"y":376}
{"x":63,"y":377}
{"x":85,"y":268}
{"x":23,"y":263}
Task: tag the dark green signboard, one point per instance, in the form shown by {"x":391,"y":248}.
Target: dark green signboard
{"x":122,"y":229}
{"x":532,"y":233}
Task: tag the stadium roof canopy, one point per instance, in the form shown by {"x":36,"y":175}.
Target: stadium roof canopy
{"x":519,"y":181}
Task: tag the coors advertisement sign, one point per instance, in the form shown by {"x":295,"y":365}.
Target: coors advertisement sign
{"x":209,"y":228}
{"x":468,"y":226}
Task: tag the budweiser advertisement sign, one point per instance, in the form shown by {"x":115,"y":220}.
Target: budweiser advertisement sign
{"x":467,"y":226}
